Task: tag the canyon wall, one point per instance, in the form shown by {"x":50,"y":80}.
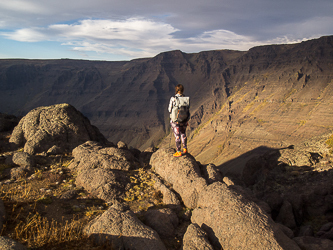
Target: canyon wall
{"x":241,"y":101}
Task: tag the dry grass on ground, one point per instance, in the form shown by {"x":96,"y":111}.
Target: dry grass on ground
{"x":39,"y":218}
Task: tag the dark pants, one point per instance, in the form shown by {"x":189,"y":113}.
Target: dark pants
{"x":179,"y":131}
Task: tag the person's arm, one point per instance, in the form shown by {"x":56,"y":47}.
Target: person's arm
{"x":171,"y":104}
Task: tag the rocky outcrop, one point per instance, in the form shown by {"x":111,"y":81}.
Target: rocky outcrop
{"x":164,"y":221}
{"x":23,"y":159}
{"x":23,"y":165}
{"x":169,"y":197}
{"x":286,"y":215}
{"x":182,"y":173}
{"x":102,"y":171}
{"x":233,"y":221}
{"x":123,"y":230}
{"x":296,"y":183}
{"x":61,"y":125}
{"x":227,"y":214}
{"x":108,"y":185}
{"x":301,"y":155}
{"x":90,"y":155}
{"x":326,"y":231}
{"x":211,"y":173}
{"x":196,"y":239}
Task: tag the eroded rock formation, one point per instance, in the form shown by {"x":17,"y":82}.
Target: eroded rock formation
{"x":184,"y":175}
{"x":225,"y":213}
{"x":235,"y":222}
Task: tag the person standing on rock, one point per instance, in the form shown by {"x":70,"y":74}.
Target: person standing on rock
{"x":179,"y":106}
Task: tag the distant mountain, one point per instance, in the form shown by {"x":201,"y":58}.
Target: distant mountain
{"x":268,"y":96}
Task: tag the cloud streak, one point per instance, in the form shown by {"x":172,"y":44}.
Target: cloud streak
{"x":131,"y":37}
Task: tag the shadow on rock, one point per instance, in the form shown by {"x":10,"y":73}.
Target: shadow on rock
{"x":296,"y":185}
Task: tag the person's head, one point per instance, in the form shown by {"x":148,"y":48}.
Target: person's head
{"x":179,"y":89}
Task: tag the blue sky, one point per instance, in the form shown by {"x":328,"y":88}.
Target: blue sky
{"x":128,"y":29}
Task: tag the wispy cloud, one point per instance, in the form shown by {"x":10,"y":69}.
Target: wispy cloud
{"x":103,"y":36}
{"x":134,"y":37}
{"x":27,"y":35}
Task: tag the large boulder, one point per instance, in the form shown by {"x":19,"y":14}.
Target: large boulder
{"x":183,"y":173}
{"x":123,"y":230}
{"x":23,"y":159}
{"x":196,"y":239}
{"x":169,"y":197}
{"x":102,"y":171}
{"x":211,"y":173}
{"x":164,"y":221}
{"x":61,"y":125}
{"x":105,"y":184}
{"x":228,"y":215}
{"x":23,"y":165}
{"x":91,"y":155}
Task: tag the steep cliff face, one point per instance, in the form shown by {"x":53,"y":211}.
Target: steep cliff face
{"x":278,"y":95}
{"x":269,"y":95}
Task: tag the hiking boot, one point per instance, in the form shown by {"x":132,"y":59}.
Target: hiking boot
{"x":184,"y":150}
{"x":177,"y":154}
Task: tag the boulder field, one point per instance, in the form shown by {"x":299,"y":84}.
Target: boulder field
{"x":231,"y":220}
{"x":269,"y":205}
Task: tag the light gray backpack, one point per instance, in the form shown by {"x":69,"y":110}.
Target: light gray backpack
{"x":181,"y":111}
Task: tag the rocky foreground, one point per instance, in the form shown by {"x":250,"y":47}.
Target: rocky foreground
{"x":281,"y":199}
